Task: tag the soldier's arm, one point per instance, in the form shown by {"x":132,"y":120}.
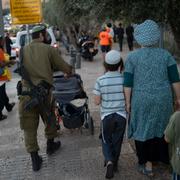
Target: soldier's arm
{"x":58,"y":62}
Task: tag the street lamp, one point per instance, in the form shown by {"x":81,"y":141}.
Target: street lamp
{"x":1,"y":20}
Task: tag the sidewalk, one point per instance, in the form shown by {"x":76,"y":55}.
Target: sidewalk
{"x":80,"y":157}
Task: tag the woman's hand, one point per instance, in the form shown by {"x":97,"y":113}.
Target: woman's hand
{"x":127,"y":93}
{"x":128,"y":108}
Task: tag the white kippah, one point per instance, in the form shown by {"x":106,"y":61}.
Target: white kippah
{"x":112,"y":57}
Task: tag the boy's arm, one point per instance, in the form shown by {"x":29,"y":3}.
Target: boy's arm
{"x":176,"y":88}
{"x":97,"y":93}
{"x":97,"y":99}
{"x":166,"y":138}
{"x":170,"y":130}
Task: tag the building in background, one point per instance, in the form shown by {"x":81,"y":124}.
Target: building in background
{"x":5,"y":4}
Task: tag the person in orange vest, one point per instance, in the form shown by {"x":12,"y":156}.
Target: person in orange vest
{"x":4,"y":76}
{"x":105,"y":42}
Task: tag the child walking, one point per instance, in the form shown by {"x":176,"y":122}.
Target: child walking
{"x":172,"y":136}
{"x":109,"y":95}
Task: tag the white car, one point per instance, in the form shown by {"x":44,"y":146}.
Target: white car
{"x":22,"y":39}
{"x":13,"y":47}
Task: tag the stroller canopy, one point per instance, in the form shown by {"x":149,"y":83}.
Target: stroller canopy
{"x":66,"y":90}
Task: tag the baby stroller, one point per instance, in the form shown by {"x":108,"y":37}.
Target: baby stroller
{"x":66,"y":90}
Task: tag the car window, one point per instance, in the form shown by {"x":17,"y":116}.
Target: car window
{"x":13,"y":40}
{"x":48,"y":38}
{"x":24,"y":40}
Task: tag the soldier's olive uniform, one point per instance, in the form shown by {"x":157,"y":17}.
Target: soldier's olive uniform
{"x":40,"y":60}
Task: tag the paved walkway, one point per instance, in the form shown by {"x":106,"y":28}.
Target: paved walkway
{"x":80,"y":157}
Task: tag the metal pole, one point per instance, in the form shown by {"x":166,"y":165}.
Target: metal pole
{"x":73,"y":58}
{"x":78,"y":60}
{"x":1,"y":20}
{"x":28,"y":34}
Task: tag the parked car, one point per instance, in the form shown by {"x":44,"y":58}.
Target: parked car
{"x":13,"y":47}
{"x":22,"y":39}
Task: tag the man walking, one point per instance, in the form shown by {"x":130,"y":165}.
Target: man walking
{"x":120,"y":35}
{"x":39,"y":60}
{"x":8,"y":43}
{"x":130,"y":38}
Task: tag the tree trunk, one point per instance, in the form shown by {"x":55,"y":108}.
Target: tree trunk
{"x":173,"y":19}
{"x":72,"y":36}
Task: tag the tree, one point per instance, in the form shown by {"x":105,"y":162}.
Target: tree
{"x":91,"y":13}
{"x":74,"y":16}
{"x":173,"y":14}
{"x":163,"y":11}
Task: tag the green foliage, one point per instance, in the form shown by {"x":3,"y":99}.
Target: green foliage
{"x":90,"y":13}
{"x":131,"y":10}
{"x":139,"y":10}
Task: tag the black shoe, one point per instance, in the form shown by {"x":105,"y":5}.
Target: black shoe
{"x":36,"y":161}
{"x":100,"y":136}
{"x":10,"y":107}
{"x":109,"y":171}
{"x":52,"y":146}
{"x":115,"y":166}
{"x":105,"y":162}
{"x":3,"y":117}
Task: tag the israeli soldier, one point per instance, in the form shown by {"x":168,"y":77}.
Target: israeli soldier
{"x":39,"y":60}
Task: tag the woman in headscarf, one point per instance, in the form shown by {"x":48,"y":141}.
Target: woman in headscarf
{"x":4,"y":100}
{"x":150,"y":77}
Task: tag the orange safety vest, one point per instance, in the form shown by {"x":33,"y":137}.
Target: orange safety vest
{"x":6,"y":76}
{"x":105,"y":38}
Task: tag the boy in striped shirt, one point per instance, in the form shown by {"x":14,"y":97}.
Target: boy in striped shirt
{"x":109,"y":95}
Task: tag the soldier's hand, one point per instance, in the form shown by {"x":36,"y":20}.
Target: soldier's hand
{"x":67,"y":75}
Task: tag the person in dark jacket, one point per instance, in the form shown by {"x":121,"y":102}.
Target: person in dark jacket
{"x":8,"y":43}
{"x":4,"y":99}
{"x":130,"y":38}
{"x":120,"y":35}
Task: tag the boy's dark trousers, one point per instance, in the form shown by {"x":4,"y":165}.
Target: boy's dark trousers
{"x":113,"y":128}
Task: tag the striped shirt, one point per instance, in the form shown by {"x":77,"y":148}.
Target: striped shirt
{"x":110,"y":88}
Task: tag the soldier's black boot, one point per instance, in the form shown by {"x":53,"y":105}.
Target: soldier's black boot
{"x":36,"y":161}
{"x":52,"y":146}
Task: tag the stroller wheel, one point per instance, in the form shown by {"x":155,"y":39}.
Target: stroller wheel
{"x":86,"y":125}
{"x":91,"y":58}
{"x":89,"y":124}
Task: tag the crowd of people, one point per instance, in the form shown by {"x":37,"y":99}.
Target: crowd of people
{"x":144,"y":93}
{"x":4,"y":77}
{"x":116,"y":34}
{"x":151,"y":94}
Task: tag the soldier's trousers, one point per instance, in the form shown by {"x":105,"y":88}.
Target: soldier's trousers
{"x":29,"y":122}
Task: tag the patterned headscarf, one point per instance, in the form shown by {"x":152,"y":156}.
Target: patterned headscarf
{"x":147,"y":33}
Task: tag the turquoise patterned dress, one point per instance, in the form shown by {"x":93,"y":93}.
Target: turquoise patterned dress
{"x":151,"y":102}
